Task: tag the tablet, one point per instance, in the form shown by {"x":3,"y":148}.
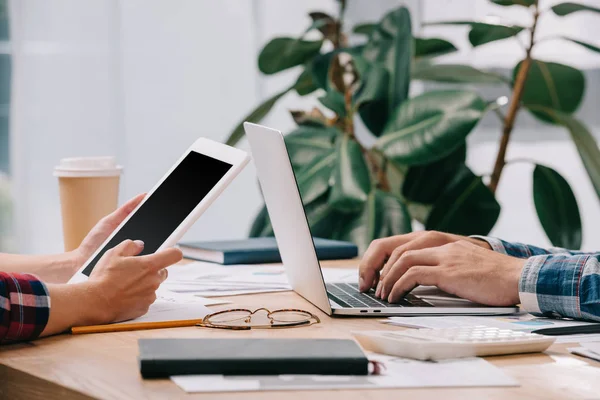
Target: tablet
{"x":176,"y":201}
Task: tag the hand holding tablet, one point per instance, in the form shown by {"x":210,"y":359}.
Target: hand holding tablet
{"x":124,"y":257}
{"x":176,"y":202}
{"x":126,"y":285}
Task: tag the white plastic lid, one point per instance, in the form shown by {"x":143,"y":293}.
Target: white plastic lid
{"x":82,"y":167}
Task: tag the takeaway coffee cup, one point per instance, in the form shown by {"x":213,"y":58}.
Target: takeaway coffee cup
{"x":89,"y":190}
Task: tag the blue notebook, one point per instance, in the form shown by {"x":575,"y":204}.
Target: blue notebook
{"x":260,"y":250}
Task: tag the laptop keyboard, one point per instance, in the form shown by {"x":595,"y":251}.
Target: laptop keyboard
{"x":348,"y":295}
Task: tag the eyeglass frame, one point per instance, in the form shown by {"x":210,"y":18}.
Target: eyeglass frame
{"x":206,"y":324}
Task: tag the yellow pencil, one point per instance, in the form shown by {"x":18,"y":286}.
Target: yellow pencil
{"x":133,"y":326}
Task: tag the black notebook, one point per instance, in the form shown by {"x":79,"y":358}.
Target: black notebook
{"x":160,"y":358}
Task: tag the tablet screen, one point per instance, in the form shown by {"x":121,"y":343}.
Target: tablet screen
{"x":169,"y":204}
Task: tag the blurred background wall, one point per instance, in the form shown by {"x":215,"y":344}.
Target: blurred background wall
{"x":141,"y":79}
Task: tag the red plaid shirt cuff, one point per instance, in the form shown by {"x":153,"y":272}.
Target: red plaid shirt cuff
{"x":24,"y":307}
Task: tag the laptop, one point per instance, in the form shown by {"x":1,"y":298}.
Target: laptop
{"x":294,"y":239}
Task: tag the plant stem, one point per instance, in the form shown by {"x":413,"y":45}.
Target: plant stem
{"x":513,"y":108}
{"x":349,"y":120}
{"x":338,"y":40}
{"x":378,"y":165}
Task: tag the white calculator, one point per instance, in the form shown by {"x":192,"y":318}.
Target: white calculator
{"x":439,"y":344}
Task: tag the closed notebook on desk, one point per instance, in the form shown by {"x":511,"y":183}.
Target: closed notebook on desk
{"x":161,"y":358}
{"x":260,"y":250}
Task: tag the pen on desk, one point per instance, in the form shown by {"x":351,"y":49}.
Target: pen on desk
{"x":569,"y":330}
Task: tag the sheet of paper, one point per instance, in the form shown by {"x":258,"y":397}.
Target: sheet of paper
{"x":167,"y":296}
{"x":210,"y":280}
{"x":584,"y":352}
{"x":399,"y":373}
{"x":521,"y":322}
{"x":199,"y":269}
{"x":592,"y":346}
{"x":340,"y":275}
{"x":583,"y":338}
{"x":170,"y":306}
{"x":230,"y":292}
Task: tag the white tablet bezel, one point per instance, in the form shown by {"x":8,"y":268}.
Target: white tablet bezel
{"x":238,"y":160}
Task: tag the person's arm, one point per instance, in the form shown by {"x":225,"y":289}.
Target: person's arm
{"x":563,"y":285}
{"x":60,"y":267}
{"x":520,"y":250}
{"x":122,"y":286}
{"x":49,"y":268}
{"x":24,"y":307}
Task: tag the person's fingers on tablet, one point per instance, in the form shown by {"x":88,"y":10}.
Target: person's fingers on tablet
{"x":129,"y":248}
{"x":162,"y":259}
{"x":164,"y":274}
{"x":409,"y":259}
{"x":116,"y":217}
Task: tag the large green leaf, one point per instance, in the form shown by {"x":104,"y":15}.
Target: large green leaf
{"x":432,"y":47}
{"x":372,"y":98}
{"x":424,"y":184}
{"x":383,"y":215}
{"x":283,"y":53}
{"x":390,"y":44}
{"x":455,"y":73}
{"x":324,"y":220}
{"x":261,"y":225}
{"x":351,"y":180}
{"x":584,"y":141}
{"x":321,"y":63}
{"x":587,"y":147}
{"x":255,"y":116}
{"x":588,"y":46}
{"x":524,"y":3}
{"x":395,"y":175}
{"x":567,"y":8}
{"x":305,"y":83}
{"x":552,"y":85}
{"x":334,"y":100}
{"x":466,"y":207}
{"x":556,"y":208}
{"x":307,"y":143}
{"x":428,"y":127}
{"x":320,"y":68}
{"x":364,"y":29}
{"x":325,"y":23}
{"x":482,"y":33}
{"x":313,"y":180}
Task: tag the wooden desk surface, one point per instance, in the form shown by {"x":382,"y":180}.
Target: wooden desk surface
{"x":105,"y":365}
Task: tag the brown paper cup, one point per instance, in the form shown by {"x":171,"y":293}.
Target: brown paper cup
{"x":89,"y":190}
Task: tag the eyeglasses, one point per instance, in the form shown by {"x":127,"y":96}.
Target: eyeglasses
{"x":243,"y":319}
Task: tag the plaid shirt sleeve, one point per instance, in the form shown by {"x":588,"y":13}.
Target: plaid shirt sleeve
{"x":24,"y":307}
{"x":556,"y":282}
{"x":520,"y":250}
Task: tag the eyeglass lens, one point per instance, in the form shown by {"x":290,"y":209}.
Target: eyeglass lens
{"x":238,"y":318}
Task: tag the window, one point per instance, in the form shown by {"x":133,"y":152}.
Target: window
{"x":5,"y":75}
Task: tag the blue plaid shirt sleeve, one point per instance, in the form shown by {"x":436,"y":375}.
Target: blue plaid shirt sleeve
{"x":520,"y":250}
{"x":556,"y":282}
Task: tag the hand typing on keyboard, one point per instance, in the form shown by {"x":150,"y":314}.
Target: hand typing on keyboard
{"x":461,"y":266}
{"x":347,"y":294}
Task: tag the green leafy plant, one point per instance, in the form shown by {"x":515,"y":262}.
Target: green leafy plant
{"x":416,"y":168}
